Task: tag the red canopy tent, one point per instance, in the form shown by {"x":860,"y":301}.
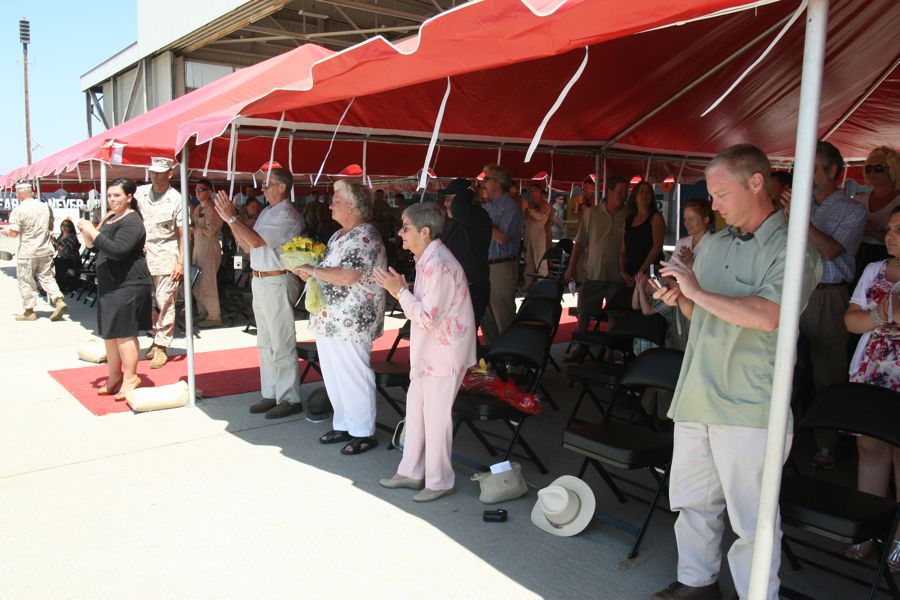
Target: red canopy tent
{"x":643,"y":88}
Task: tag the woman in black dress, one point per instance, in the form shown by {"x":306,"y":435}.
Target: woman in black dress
{"x":644,"y":232}
{"x":123,"y":285}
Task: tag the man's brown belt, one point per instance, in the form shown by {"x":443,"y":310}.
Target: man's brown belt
{"x":268,"y":273}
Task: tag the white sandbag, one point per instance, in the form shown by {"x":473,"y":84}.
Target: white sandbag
{"x":92,"y":350}
{"x":158,"y":398}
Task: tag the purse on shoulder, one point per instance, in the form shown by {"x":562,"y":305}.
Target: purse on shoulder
{"x":499,"y":487}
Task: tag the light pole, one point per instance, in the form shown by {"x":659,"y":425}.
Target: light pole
{"x":25,"y":38}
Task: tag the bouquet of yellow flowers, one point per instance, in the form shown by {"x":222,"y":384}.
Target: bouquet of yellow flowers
{"x":305,"y":251}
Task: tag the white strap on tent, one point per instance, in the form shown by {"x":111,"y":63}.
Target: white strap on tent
{"x":291,"y":160}
{"x":146,"y":174}
{"x":603,"y":158}
{"x":550,"y":179}
{"x":647,"y":171}
{"x":499,"y":152}
{"x":230,"y":160}
{"x":91,"y":164}
{"x":78,"y":170}
{"x":680,"y":170}
{"x":334,"y":135}
{"x":365,"y":152}
{"x":272,"y":151}
{"x":562,"y":96}
{"x":800,"y":10}
{"x":208,"y":155}
{"x":423,"y":178}
{"x":253,"y":175}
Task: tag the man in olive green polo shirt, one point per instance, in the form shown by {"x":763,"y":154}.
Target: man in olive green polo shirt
{"x":721,"y":402}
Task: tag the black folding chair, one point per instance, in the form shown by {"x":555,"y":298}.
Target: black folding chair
{"x":545,"y":312}
{"x":391,"y":373}
{"x":519,"y":355}
{"x":310,"y":353}
{"x":836,"y":512}
{"x":633,"y":325}
{"x":625,"y":445}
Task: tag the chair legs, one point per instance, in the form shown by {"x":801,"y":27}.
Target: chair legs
{"x":517,"y":437}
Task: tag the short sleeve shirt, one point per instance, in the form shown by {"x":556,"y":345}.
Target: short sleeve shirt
{"x":162,"y":218}
{"x":600,"y":234}
{"x":353,"y":313}
{"x":276,"y":224}
{"x":506,"y":214}
{"x":726,"y":376}
{"x":844,"y":220}
{"x":31,"y":218}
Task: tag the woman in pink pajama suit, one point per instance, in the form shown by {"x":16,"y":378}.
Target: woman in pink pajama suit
{"x":442,"y":348}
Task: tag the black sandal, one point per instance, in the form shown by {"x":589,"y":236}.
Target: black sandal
{"x":358,"y":445}
{"x":335,"y":437}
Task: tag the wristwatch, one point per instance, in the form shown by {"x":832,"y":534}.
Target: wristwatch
{"x":232,"y":219}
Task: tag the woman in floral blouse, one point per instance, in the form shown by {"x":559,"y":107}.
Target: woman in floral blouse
{"x":352,"y":319}
{"x":441,"y":349}
{"x":875,"y":314}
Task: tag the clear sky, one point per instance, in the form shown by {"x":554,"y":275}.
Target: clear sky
{"x":67,"y":40}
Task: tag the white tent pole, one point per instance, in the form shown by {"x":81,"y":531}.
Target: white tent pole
{"x":597,"y":184}
{"x":188,"y":298}
{"x":102,"y":190}
{"x":789,"y":318}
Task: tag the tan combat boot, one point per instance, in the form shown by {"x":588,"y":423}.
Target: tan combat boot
{"x":60,"y":308}
{"x":160,"y":358}
{"x":28,"y":315}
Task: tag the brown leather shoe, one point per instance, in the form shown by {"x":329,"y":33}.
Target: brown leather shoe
{"x":59,"y":309}
{"x":160,"y":358}
{"x":28,"y":315}
{"x":209,"y":323}
{"x":150,"y":351}
{"x":264,"y":405}
{"x":284,"y":409}
{"x":679,"y":591}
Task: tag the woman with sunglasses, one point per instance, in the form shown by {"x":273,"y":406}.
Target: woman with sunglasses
{"x":882,"y":174}
{"x":207,"y":254}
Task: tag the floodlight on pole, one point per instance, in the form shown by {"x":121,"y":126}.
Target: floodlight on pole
{"x":25,"y":38}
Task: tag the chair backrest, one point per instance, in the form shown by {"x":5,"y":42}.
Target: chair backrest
{"x":544,"y":288}
{"x":635,"y":324}
{"x":566,"y":245}
{"x":657,"y":368}
{"x":545,"y":311}
{"x":522,"y":345}
{"x":858,"y":408}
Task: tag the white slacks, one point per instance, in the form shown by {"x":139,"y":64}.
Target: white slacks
{"x":350,"y":383}
{"x":276,"y":336}
{"x":717,"y":468}
{"x":428,"y":442}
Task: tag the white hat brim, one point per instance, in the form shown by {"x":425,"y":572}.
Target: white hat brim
{"x":581,"y":520}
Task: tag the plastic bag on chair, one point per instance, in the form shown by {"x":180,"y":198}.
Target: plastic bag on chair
{"x":490,"y":384}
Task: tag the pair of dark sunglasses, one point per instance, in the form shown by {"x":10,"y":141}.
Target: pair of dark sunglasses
{"x":875,"y":168}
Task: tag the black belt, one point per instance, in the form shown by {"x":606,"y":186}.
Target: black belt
{"x":501,"y":260}
{"x":828,"y":285}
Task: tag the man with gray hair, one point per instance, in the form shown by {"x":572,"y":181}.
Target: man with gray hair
{"x":503,"y":253}
{"x":275,"y":290}
{"x":836,"y":225}
{"x":31,"y":222}
{"x":721,"y":402}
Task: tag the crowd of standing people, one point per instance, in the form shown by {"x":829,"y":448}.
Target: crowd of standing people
{"x":720,"y":292}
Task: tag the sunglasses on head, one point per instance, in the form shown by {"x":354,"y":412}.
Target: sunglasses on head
{"x":875,"y":168}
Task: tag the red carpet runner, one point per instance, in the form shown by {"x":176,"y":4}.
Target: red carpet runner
{"x":218,"y":373}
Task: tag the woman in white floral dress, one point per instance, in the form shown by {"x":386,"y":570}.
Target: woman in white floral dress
{"x":353,"y":317}
{"x":875,"y":313}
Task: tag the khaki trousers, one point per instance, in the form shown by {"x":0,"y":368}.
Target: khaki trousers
{"x":717,"y":468}
{"x":822,"y":323}
{"x":165,"y":291}
{"x":276,"y":336}
{"x":501,"y":310}
{"x":40,"y":268}
{"x":208,"y":256}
